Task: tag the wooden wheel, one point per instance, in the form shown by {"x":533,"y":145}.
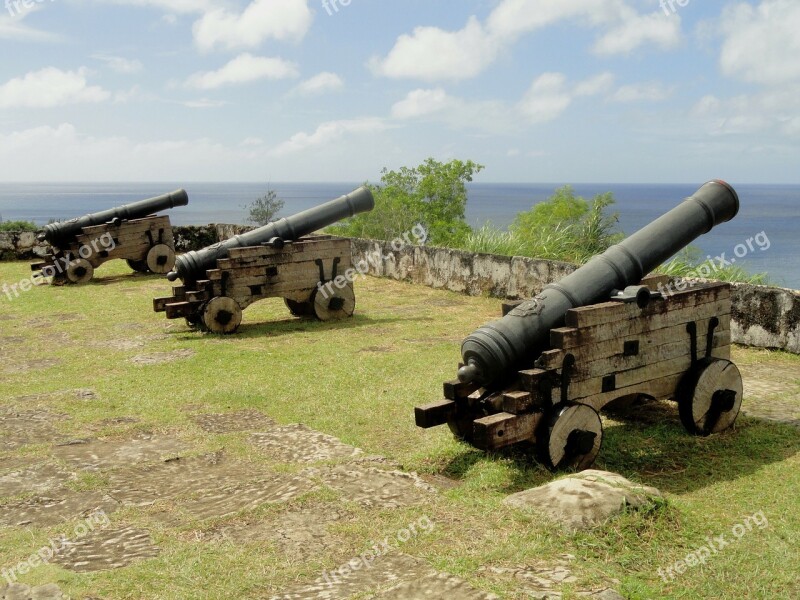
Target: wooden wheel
{"x":710,"y":396}
{"x":222,"y":315}
{"x":160,"y":259}
{"x":80,"y":271}
{"x":573,"y":438}
{"x":463,"y":429}
{"x":140,"y":266}
{"x":299,"y":309}
{"x":332,"y":302}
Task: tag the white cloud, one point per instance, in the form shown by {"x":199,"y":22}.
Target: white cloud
{"x":328,"y":133}
{"x":261,"y":20}
{"x":549,"y":96}
{"x":62,"y":153}
{"x":119,"y":64}
{"x":642,"y":92}
{"x":319,"y":84}
{"x":598,"y":84}
{"x":50,"y":87}
{"x":245,"y":68}
{"x":13,"y":28}
{"x":636,"y":30}
{"x":773,"y":112}
{"x":419,"y":103}
{"x":434,"y":54}
{"x":168,"y":6}
{"x":761,"y":42}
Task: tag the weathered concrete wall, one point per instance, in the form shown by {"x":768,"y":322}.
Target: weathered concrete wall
{"x":24,"y":246}
{"x":763,"y":317}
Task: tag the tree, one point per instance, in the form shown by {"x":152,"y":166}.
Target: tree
{"x":433,"y":195}
{"x":265,"y":209}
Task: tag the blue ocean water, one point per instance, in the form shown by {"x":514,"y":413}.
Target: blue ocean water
{"x":771,"y":210}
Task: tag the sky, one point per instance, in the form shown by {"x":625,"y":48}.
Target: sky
{"x":568,"y":91}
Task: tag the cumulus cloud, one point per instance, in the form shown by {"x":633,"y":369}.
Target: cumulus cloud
{"x":50,"y":87}
{"x":261,"y":20}
{"x":642,"y":92}
{"x":329,"y":132}
{"x":435,"y":54}
{"x":319,"y":84}
{"x":245,"y":68}
{"x":761,"y":44}
{"x":119,"y":64}
{"x":419,"y":103}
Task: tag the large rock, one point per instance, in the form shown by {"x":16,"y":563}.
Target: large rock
{"x":585,"y":499}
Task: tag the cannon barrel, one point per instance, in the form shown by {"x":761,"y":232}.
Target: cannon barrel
{"x":60,"y":233}
{"x":492,"y":352}
{"x":193,"y":265}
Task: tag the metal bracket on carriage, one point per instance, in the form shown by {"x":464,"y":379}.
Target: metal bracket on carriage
{"x":639,"y":294}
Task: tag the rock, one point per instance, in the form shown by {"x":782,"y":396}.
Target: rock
{"x":586,"y":499}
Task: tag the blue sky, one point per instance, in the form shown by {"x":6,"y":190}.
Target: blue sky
{"x":564,"y":91}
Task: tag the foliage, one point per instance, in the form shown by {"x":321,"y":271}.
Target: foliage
{"x":265,"y":209}
{"x":434,"y":194}
{"x":689,"y":263}
{"x":564,"y":227}
{"x":17,"y":226}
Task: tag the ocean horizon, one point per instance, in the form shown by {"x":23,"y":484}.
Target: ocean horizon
{"x":769,"y":210}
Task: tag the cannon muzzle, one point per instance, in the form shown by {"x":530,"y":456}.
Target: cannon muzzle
{"x":493,"y":351}
{"x":193,"y":265}
{"x":59,"y":234}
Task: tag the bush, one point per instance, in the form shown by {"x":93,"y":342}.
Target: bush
{"x":264,"y":210}
{"x":434,"y":195}
{"x":689,"y":261}
{"x":563,"y":227}
{"x":18,"y":226}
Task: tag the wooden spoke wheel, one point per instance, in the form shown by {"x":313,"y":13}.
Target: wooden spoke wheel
{"x":331,"y":302}
{"x":573,"y":437}
{"x":79,"y":271}
{"x":710,"y":396}
{"x":140,"y":266}
{"x":160,"y":259}
{"x":222,"y":315}
{"x":300,"y":309}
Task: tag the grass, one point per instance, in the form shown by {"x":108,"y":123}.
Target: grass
{"x":359,"y":381}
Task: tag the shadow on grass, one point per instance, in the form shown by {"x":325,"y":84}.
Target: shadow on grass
{"x":650,"y":446}
{"x":288,"y":327}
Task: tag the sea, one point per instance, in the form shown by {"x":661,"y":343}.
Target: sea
{"x":769,"y":215}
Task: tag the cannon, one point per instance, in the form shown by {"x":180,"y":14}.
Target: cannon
{"x":130,"y":232}
{"x":312,"y":273}
{"x":601,"y":337}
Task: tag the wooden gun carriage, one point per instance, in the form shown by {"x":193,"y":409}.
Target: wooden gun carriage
{"x":308,"y":274}
{"x":131,"y":233}
{"x":544,"y":371}
{"x":675,"y":347}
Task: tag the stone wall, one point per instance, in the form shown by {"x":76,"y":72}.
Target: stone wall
{"x":24,"y":246}
{"x":763,"y":317}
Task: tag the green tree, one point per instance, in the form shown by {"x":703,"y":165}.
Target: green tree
{"x":17,"y":225}
{"x":265,"y":209}
{"x":567,"y":227}
{"x":434,"y":194}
